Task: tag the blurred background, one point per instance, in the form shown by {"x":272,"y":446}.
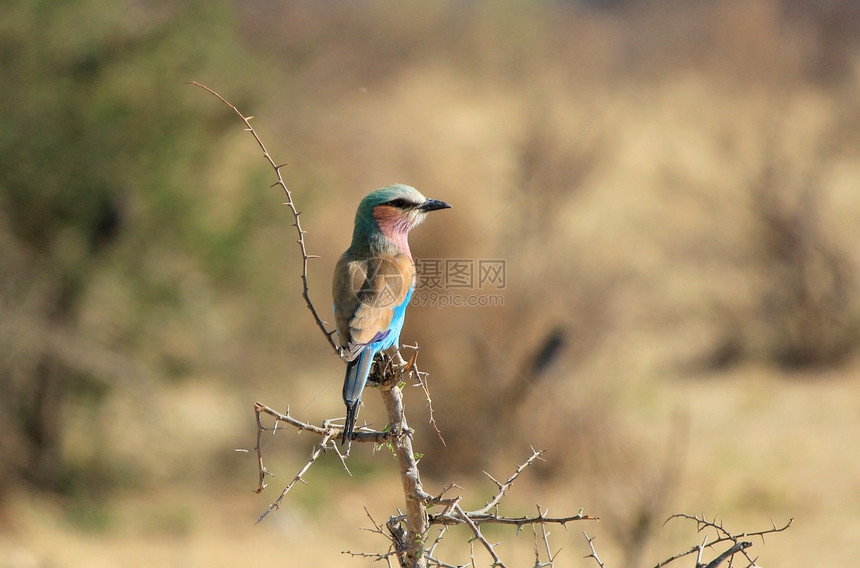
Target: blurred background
{"x":673,"y":188}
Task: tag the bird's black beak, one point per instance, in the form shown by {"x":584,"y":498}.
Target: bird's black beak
{"x":433,"y":205}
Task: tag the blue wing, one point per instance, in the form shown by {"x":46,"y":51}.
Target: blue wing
{"x":358,"y":369}
{"x":370,"y":299}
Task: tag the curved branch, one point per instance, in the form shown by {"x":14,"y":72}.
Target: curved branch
{"x":296,"y":214}
{"x":723,"y":535}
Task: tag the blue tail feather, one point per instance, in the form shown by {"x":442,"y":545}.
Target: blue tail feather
{"x":357,"y":371}
{"x":349,"y":424}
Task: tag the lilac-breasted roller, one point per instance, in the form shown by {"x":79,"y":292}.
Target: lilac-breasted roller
{"x":373,"y":282}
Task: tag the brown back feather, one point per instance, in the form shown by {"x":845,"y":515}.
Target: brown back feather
{"x":366,"y":291}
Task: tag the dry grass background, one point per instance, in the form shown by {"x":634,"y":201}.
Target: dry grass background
{"x":674,"y":189}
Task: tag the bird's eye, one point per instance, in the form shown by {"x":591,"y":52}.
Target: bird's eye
{"x":397,"y":202}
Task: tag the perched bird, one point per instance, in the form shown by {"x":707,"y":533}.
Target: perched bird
{"x":373,"y":282}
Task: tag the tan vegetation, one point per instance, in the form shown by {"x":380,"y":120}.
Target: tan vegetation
{"x":674,"y":189}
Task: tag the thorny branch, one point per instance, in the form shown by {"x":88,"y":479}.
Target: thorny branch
{"x":503,"y":487}
{"x":738,"y":547}
{"x":723,"y":535}
{"x":491,"y":548}
{"x":410,"y":546}
{"x":590,"y":540}
{"x":328,"y":431}
{"x":483,"y":515}
{"x":454,"y":514}
{"x":421,"y":377}
{"x":407,"y":532}
{"x":519,"y":522}
{"x":296,"y":214}
{"x":545,"y":538}
{"x":328,"y":439}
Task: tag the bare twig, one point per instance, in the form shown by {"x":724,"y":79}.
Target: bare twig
{"x":259,"y":449}
{"x":329,"y":433}
{"x":454,"y":514}
{"x":377,"y":528}
{"x":376,"y":556}
{"x":723,"y":535}
{"x":363,"y":435}
{"x":461,"y":514}
{"x":412,"y":367}
{"x":593,"y":554}
{"x":537,"y":550}
{"x":550,"y":556}
{"x":436,"y":541}
{"x":503,"y":487}
{"x":318,"y":449}
{"x":519,"y":522}
{"x":434,"y":562}
{"x":296,"y":214}
{"x":703,"y":523}
{"x":701,"y":551}
{"x":738,"y":547}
